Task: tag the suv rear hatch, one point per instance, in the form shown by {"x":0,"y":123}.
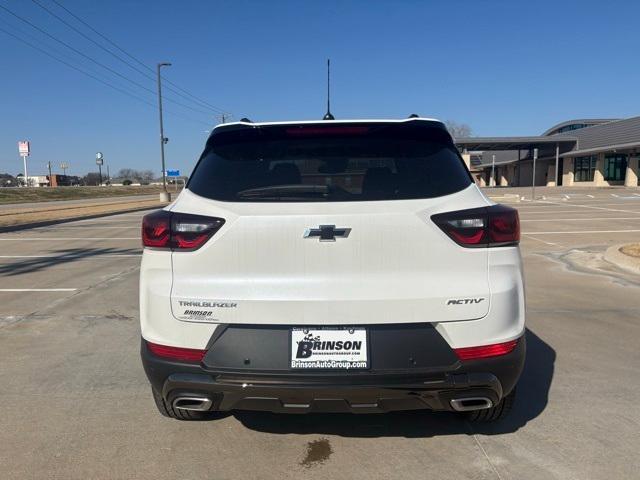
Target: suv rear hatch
{"x":329,"y":224}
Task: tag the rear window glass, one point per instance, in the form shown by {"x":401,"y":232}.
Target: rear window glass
{"x":330,"y":164}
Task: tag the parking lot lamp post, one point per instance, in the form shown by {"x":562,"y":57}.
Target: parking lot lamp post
{"x":557,"y":161}
{"x":164,"y":195}
{"x":533,"y":181}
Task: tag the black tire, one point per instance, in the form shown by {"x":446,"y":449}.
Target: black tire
{"x":495,"y":413}
{"x":168,"y":411}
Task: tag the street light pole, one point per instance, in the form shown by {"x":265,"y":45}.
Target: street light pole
{"x":557,"y":161}
{"x":100,"y":162}
{"x":533,"y":182}
{"x":164,"y":195}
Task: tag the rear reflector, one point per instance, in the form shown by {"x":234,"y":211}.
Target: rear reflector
{"x":178,"y":231}
{"x":485,"y":351}
{"x":495,"y":226}
{"x":177,"y":353}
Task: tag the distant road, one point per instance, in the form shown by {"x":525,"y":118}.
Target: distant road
{"x":75,"y":203}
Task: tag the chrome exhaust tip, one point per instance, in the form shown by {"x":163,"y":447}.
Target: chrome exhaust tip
{"x":194,"y":404}
{"x":471,"y":403}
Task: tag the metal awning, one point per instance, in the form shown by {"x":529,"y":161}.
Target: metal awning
{"x":515,"y":143}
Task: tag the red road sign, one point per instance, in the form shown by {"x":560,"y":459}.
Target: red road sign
{"x":24,"y":148}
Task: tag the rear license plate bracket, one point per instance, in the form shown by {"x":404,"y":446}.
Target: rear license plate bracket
{"x":329,"y":348}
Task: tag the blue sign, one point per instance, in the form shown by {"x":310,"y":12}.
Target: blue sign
{"x":173,"y":173}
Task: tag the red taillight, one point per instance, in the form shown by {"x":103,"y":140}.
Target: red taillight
{"x":495,"y":226}
{"x":177,"y":353}
{"x":504,"y":226}
{"x":178,"y":231}
{"x":484,"y":351}
{"x":156,"y":229}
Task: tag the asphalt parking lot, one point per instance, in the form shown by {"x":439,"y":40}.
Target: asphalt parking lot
{"x":77,"y":403}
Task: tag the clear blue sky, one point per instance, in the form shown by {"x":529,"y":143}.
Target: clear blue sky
{"x":503,"y":67}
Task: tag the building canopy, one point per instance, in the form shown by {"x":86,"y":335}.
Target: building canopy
{"x":565,"y":143}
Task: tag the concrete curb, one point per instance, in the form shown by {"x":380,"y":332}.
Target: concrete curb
{"x":46,"y":223}
{"x":625,"y":262}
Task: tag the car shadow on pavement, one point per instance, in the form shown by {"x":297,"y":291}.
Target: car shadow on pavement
{"x":57,"y":257}
{"x":532,"y":397}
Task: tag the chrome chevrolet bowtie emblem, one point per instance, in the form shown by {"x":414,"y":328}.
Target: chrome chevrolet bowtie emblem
{"x":327,"y":233}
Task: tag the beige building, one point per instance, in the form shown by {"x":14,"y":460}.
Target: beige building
{"x":587,"y":152}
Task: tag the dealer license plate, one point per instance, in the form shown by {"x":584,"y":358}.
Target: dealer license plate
{"x":329,"y":348}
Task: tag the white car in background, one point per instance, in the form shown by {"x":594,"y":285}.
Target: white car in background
{"x":332,"y":266}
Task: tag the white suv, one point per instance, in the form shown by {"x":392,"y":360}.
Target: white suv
{"x":332,"y":266}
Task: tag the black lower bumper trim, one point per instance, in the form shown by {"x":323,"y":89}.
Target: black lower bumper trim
{"x":357,"y":392}
{"x":296,"y":398}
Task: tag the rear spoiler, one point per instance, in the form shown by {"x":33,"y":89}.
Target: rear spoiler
{"x":416,"y":128}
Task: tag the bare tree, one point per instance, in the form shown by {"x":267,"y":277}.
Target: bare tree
{"x":458,"y":130}
{"x":146,"y":176}
{"x":91,"y":178}
{"x":129,"y":174}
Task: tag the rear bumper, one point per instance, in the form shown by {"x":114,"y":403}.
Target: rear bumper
{"x":355,"y":391}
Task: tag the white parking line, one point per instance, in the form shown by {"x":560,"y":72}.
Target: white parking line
{"x":561,"y":204}
{"x":566,"y":196}
{"x":527,"y":212}
{"x":115,"y":215}
{"x":586,"y":219}
{"x":549,"y":203}
{"x":596,"y":208}
{"x":78,"y":227}
{"x":540,"y":240}
{"x":130,"y":214}
{"x":633,"y":196}
{"x":580,"y":231}
{"x":38,"y":289}
{"x":62,"y":239}
{"x":109,"y":224}
{"x":108,"y":220}
{"x":604,"y":202}
{"x":65,"y":257}
{"x":550,"y":215}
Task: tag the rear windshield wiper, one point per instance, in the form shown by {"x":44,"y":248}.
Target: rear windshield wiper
{"x":319,"y":192}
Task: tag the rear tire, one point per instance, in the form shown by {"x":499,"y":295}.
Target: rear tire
{"x":495,"y":413}
{"x":167,"y":410}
